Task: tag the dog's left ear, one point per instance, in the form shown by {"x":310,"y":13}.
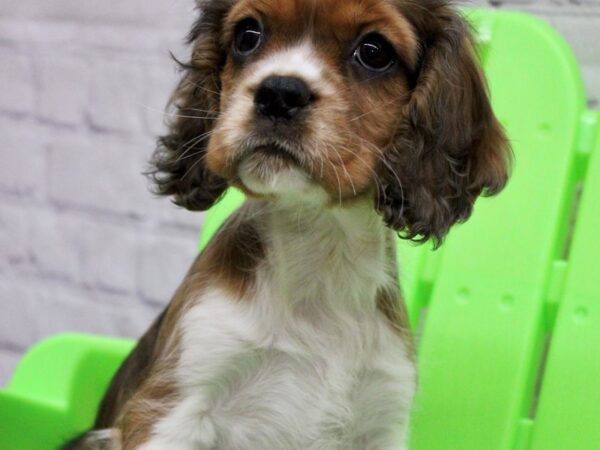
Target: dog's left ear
{"x":450,"y":147}
{"x":179,"y":169}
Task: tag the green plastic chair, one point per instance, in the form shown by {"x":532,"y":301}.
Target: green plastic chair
{"x":507,"y":311}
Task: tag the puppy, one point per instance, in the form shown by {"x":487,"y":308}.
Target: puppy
{"x":345,"y":122}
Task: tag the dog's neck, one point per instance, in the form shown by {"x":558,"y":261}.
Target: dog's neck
{"x":333,"y":258}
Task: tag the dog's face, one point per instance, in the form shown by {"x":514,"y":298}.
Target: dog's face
{"x":311,"y":95}
{"x":336,"y":100}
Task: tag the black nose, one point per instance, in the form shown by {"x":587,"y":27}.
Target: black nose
{"x":282,"y":97}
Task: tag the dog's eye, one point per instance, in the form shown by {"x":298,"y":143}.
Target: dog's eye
{"x":248,"y":36}
{"x":375,"y":53}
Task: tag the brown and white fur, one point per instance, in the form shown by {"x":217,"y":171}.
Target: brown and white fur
{"x":289,"y":332}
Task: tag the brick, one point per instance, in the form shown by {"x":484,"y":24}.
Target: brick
{"x":130,"y":320}
{"x":509,"y":3}
{"x":166,"y":214}
{"x":19,"y":314}
{"x":14,"y":236}
{"x":473,"y":3}
{"x":55,"y":245}
{"x":559,"y":8}
{"x":16,"y":79}
{"x":23,"y":158}
{"x":582,"y":34}
{"x":100,"y":174}
{"x":35,"y":311}
{"x":161,"y":80}
{"x":577,"y":4}
{"x":154,"y":43}
{"x":162,"y":266}
{"x":116,"y":96}
{"x":8,"y":364}
{"x":109,"y":257}
{"x":83,"y":250}
{"x":21,"y":32}
{"x":90,"y":40}
{"x":64,"y":89}
{"x":591,"y":77}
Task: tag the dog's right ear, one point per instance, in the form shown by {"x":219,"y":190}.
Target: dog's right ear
{"x":178,"y":164}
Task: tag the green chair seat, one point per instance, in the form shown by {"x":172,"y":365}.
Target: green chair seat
{"x":507,"y":312}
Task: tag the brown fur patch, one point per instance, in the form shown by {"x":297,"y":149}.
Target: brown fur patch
{"x":148,"y":404}
{"x":230,"y":259}
{"x":130,"y":376}
{"x":143,"y":389}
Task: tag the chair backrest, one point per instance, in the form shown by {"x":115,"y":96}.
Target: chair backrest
{"x":495,"y":288}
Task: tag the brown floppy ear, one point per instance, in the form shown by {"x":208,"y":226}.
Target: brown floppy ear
{"x":450,"y":147}
{"x":178,"y":165}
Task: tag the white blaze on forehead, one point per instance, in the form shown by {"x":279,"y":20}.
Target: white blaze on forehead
{"x":300,"y":61}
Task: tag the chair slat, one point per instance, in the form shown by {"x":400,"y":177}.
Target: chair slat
{"x":568,"y":415}
{"x":485,"y":324}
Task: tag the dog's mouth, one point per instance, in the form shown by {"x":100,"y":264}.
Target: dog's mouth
{"x":278,"y":151}
{"x":270,"y":155}
{"x":268,"y":167}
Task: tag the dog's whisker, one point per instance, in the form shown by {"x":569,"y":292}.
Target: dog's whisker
{"x":380,"y":156}
{"x":182,"y":116}
{"x":202,"y":88}
{"x":191,"y":155}
{"x":344,"y":168}
{"x":367,"y":166}
{"x":195,"y":139}
{"x":335,"y":172}
{"x":191,"y":144}
{"x":208,"y":111}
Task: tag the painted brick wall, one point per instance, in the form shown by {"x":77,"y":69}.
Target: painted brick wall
{"x":83,"y":245}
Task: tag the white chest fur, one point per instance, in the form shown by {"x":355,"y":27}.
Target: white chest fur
{"x":308,"y":362}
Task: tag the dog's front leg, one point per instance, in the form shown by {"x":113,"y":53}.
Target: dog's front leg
{"x":384,"y":397}
{"x":215,"y":335}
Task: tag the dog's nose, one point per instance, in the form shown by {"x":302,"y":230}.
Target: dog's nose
{"x":282,"y":97}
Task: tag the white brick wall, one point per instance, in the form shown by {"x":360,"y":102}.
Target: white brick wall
{"x":83,"y":245}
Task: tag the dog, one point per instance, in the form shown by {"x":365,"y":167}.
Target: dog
{"x":345,"y":123}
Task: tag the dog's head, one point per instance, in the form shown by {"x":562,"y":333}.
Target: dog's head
{"x":335,"y":100}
